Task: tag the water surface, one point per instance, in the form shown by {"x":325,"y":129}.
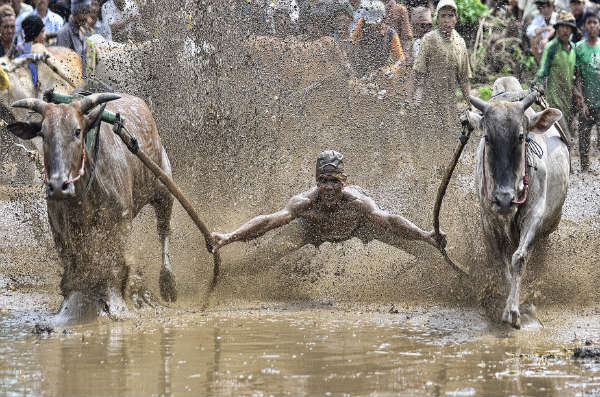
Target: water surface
{"x":293,"y":352}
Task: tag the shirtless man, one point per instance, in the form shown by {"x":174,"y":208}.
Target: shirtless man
{"x":333,"y":211}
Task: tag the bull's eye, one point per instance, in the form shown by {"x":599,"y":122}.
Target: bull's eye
{"x":77,"y":132}
{"x":520,"y":138}
{"x":485,"y":137}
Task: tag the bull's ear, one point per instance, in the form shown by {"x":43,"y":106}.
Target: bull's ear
{"x":92,"y":117}
{"x":474,"y":120}
{"x":25,"y":129}
{"x":541,"y":121}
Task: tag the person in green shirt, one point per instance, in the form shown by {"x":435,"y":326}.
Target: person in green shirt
{"x":557,"y":68}
{"x":587,"y":85}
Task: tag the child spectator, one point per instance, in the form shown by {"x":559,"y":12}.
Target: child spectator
{"x":588,"y":85}
{"x":557,"y":68}
{"x":541,"y":29}
{"x":442,"y":64}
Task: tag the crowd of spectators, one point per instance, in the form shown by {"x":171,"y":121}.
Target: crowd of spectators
{"x":66,"y":23}
{"x":391,"y":36}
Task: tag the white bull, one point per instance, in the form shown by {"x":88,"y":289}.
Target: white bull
{"x":520,"y":202}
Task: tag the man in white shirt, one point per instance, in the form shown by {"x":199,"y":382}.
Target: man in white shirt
{"x":21,"y":8}
{"x":52,"y":21}
{"x":541,"y":29}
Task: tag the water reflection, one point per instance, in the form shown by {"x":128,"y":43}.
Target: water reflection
{"x":309,"y":352}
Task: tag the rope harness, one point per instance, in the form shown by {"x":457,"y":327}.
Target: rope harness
{"x":106,"y":116}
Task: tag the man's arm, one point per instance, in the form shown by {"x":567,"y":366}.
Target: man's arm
{"x":397,"y":224}
{"x":261,"y":224}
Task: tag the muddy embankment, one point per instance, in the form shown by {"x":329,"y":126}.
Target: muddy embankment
{"x":243,"y":119}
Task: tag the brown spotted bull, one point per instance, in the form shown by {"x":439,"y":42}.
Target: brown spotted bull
{"x":522,"y":175}
{"x":90,"y":229}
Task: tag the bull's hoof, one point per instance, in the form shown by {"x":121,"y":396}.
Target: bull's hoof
{"x":512,"y":317}
{"x":78,"y":308}
{"x":167,"y":285}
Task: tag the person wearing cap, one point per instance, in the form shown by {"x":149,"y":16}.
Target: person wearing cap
{"x":80,"y":26}
{"x":442,"y":64}
{"x":557,"y":68}
{"x":541,"y":29}
{"x":422,"y":24}
{"x":52,"y":21}
{"x":375,"y":44}
{"x":587,"y":85}
{"x":333,"y":211}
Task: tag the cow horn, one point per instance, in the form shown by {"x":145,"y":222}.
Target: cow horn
{"x":478,"y":103}
{"x":31,"y":103}
{"x":528,"y":100}
{"x":88,"y":102}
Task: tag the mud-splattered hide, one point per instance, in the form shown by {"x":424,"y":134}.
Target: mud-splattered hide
{"x":91,"y":231}
{"x":519,"y":203}
{"x":63,"y":129}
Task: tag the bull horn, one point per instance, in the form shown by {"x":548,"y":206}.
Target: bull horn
{"x":478,"y":103}
{"x":88,"y":102}
{"x":31,"y":103}
{"x":528,"y":100}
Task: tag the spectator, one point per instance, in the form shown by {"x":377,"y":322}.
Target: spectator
{"x":62,"y":8}
{"x":52,"y":22}
{"x":397,"y":18}
{"x":541,"y":29}
{"x":21,"y":8}
{"x":100,"y":23}
{"x":342,"y":18}
{"x":331,"y":18}
{"x":579,"y":10}
{"x":557,"y":68}
{"x":375,"y":45}
{"x":421,"y":24}
{"x":587,"y":85}
{"x":527,"y":11}
{"x":442,"y":63}
{"x":120,"y":14}
{"x":7,"y":29}
{"x":73,"y":33}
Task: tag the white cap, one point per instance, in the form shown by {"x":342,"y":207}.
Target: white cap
{"x":446,"y":3}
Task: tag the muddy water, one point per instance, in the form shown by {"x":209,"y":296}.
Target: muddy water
{"x":294,"y":351}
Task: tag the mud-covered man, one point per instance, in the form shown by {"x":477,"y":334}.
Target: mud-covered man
{"x":334,"y":211}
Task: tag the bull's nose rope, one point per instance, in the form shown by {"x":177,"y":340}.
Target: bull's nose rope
{"x":525,"y":179}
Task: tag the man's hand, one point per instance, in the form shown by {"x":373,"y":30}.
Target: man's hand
{"x":219,"y":240}
{"x":438,"y":241}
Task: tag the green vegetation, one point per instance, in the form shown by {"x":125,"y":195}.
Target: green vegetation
{"x":485,"y":92}
{"x":469,"y":11}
